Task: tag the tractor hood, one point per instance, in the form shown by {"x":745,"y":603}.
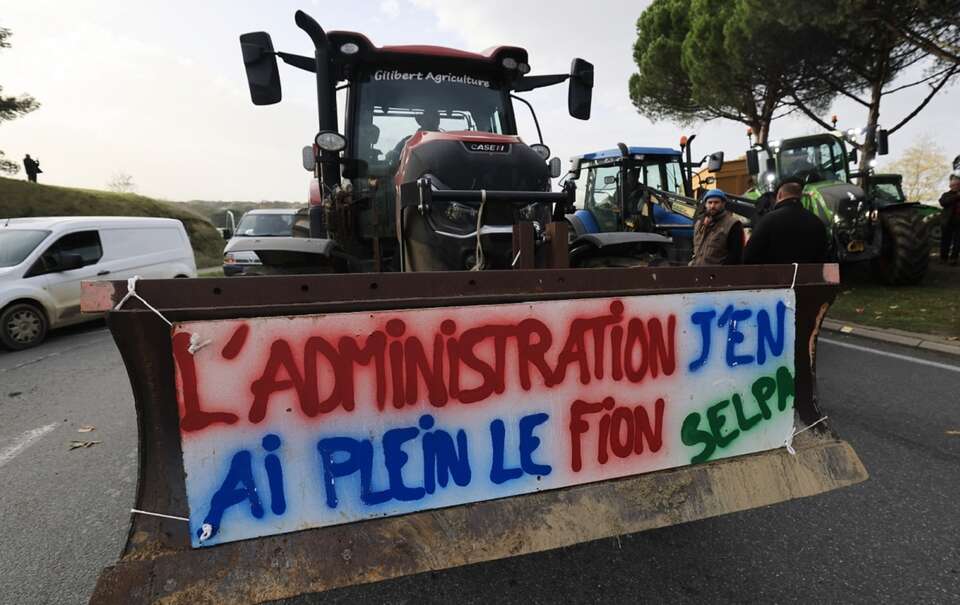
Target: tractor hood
{"x":469,"y":160}
{"x":842,"y":199}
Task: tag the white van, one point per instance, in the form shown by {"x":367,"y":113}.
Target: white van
{"x":255,"y":224}
{"x":43,"y":261}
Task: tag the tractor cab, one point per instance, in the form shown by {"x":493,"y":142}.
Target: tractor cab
{"x":632,"y":199}
{"x":428,"y":171}
{"x":886,"y":191}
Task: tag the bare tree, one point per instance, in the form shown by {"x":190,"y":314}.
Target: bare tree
{"x":924,"y":167}
{"x":122,"y":183}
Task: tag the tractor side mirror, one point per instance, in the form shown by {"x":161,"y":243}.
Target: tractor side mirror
{"x":309,"y":159}
{"x":883,"y":143}
{"x":580,"y":93}
{"x":853,"y":157}
{"x":715,"y":162}
{"x":753,"y":161}
{"x":555,"y":168}
{"x":259,"y":60}
{"x":574,"y":170}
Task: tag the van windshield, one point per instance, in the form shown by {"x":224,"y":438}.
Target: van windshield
{"x":17,"y":244}
{"x":266,"y":225}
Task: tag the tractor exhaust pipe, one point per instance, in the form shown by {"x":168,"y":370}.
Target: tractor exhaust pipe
{"x":328,"y":162}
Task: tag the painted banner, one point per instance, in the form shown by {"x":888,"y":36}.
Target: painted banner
{"x":289,"y":423}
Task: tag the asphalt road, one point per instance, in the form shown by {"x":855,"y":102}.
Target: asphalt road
{"x":894,"y":538}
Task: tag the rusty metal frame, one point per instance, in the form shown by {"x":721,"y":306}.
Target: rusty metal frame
{"x":158,"y":563}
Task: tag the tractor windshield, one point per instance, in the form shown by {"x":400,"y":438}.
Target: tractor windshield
{"x":394,"y":105}
{"x":887,"y":193}
{"x":820,"y":160}
{"x":663,"y":173}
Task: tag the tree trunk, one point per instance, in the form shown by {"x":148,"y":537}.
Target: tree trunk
{"x":868,"y":150}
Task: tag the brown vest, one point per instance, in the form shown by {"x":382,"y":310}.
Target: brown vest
{"x":710,"y":241}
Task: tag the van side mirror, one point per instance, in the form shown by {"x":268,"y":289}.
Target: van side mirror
{"x":580,"y":93}
{"x":309,"y":159}
{"x":715,"y":162}
{"x":555,"y":168}
{"x":753,"y":162}
{"x":883,"y":143}
{"x":259,"y":60}
{"x":68,"y":262}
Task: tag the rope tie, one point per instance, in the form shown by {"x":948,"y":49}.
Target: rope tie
{"x":195,"y":339}
{"x":478,"y":253}
{"x":788,"y":442}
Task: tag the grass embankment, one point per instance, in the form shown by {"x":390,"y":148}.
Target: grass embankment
{"x":22,"y":199}
{"x":933,"y":307}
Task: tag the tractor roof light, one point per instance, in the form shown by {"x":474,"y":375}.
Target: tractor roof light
{"x":523,"y":68}
{"x":771,"y":177}
{"x":509,"y":62}
{"x":328,"y":140}
{"x":349,"y":48}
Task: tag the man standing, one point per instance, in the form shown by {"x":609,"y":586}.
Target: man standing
{"x":718,"y":235}
{"x":950,"y":221}
{"x":787,"y":234}
{"x":32,"y":168}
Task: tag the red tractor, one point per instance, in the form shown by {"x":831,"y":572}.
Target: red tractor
{"x":429,"y":173}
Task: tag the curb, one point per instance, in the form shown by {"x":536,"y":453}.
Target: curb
{"x":927,"y":342}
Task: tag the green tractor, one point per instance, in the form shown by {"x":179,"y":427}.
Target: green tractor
{"x":867,"y":222}
{"x":887,"y":191}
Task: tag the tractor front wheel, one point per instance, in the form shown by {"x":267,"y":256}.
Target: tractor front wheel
{"x":905,"y":255}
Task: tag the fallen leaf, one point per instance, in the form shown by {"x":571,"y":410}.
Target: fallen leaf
{"x":859,"y":309}
{"x":894,"y":306}
{"x":78,"y":444}
{"x":952,"y":337}
{"x":846,"y":329}
{"x":86,"y":428}
{"x":953,"y":432}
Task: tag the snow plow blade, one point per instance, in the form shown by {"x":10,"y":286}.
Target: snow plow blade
{"x":305,"y":433}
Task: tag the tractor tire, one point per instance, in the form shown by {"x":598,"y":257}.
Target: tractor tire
{"x":22,"y":325}
{"x":906,"y":249}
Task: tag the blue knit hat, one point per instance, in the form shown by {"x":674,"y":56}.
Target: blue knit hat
{"x":715,"y":193}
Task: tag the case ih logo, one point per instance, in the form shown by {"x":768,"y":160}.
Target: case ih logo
{"x":489,"y":147}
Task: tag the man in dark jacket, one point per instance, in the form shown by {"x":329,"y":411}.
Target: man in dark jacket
{"x":32,"y":168}
{"x":787,"y":234}
{"x":950,"y":221}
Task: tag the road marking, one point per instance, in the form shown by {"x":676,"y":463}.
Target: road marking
{"x":934,"y":364}
{"x":23,"y":442}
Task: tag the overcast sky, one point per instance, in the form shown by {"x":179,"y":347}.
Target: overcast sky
{"x":158,"y":91}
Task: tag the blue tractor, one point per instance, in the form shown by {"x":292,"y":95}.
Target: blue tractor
{"x":635,"y":206}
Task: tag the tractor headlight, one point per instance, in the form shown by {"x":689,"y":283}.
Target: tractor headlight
{"x":331,"y":141}
{"x":453,"y":217}
{"x":542,"y":151}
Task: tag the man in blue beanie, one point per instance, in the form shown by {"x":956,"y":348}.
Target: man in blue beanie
{"x":718,"y":235}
